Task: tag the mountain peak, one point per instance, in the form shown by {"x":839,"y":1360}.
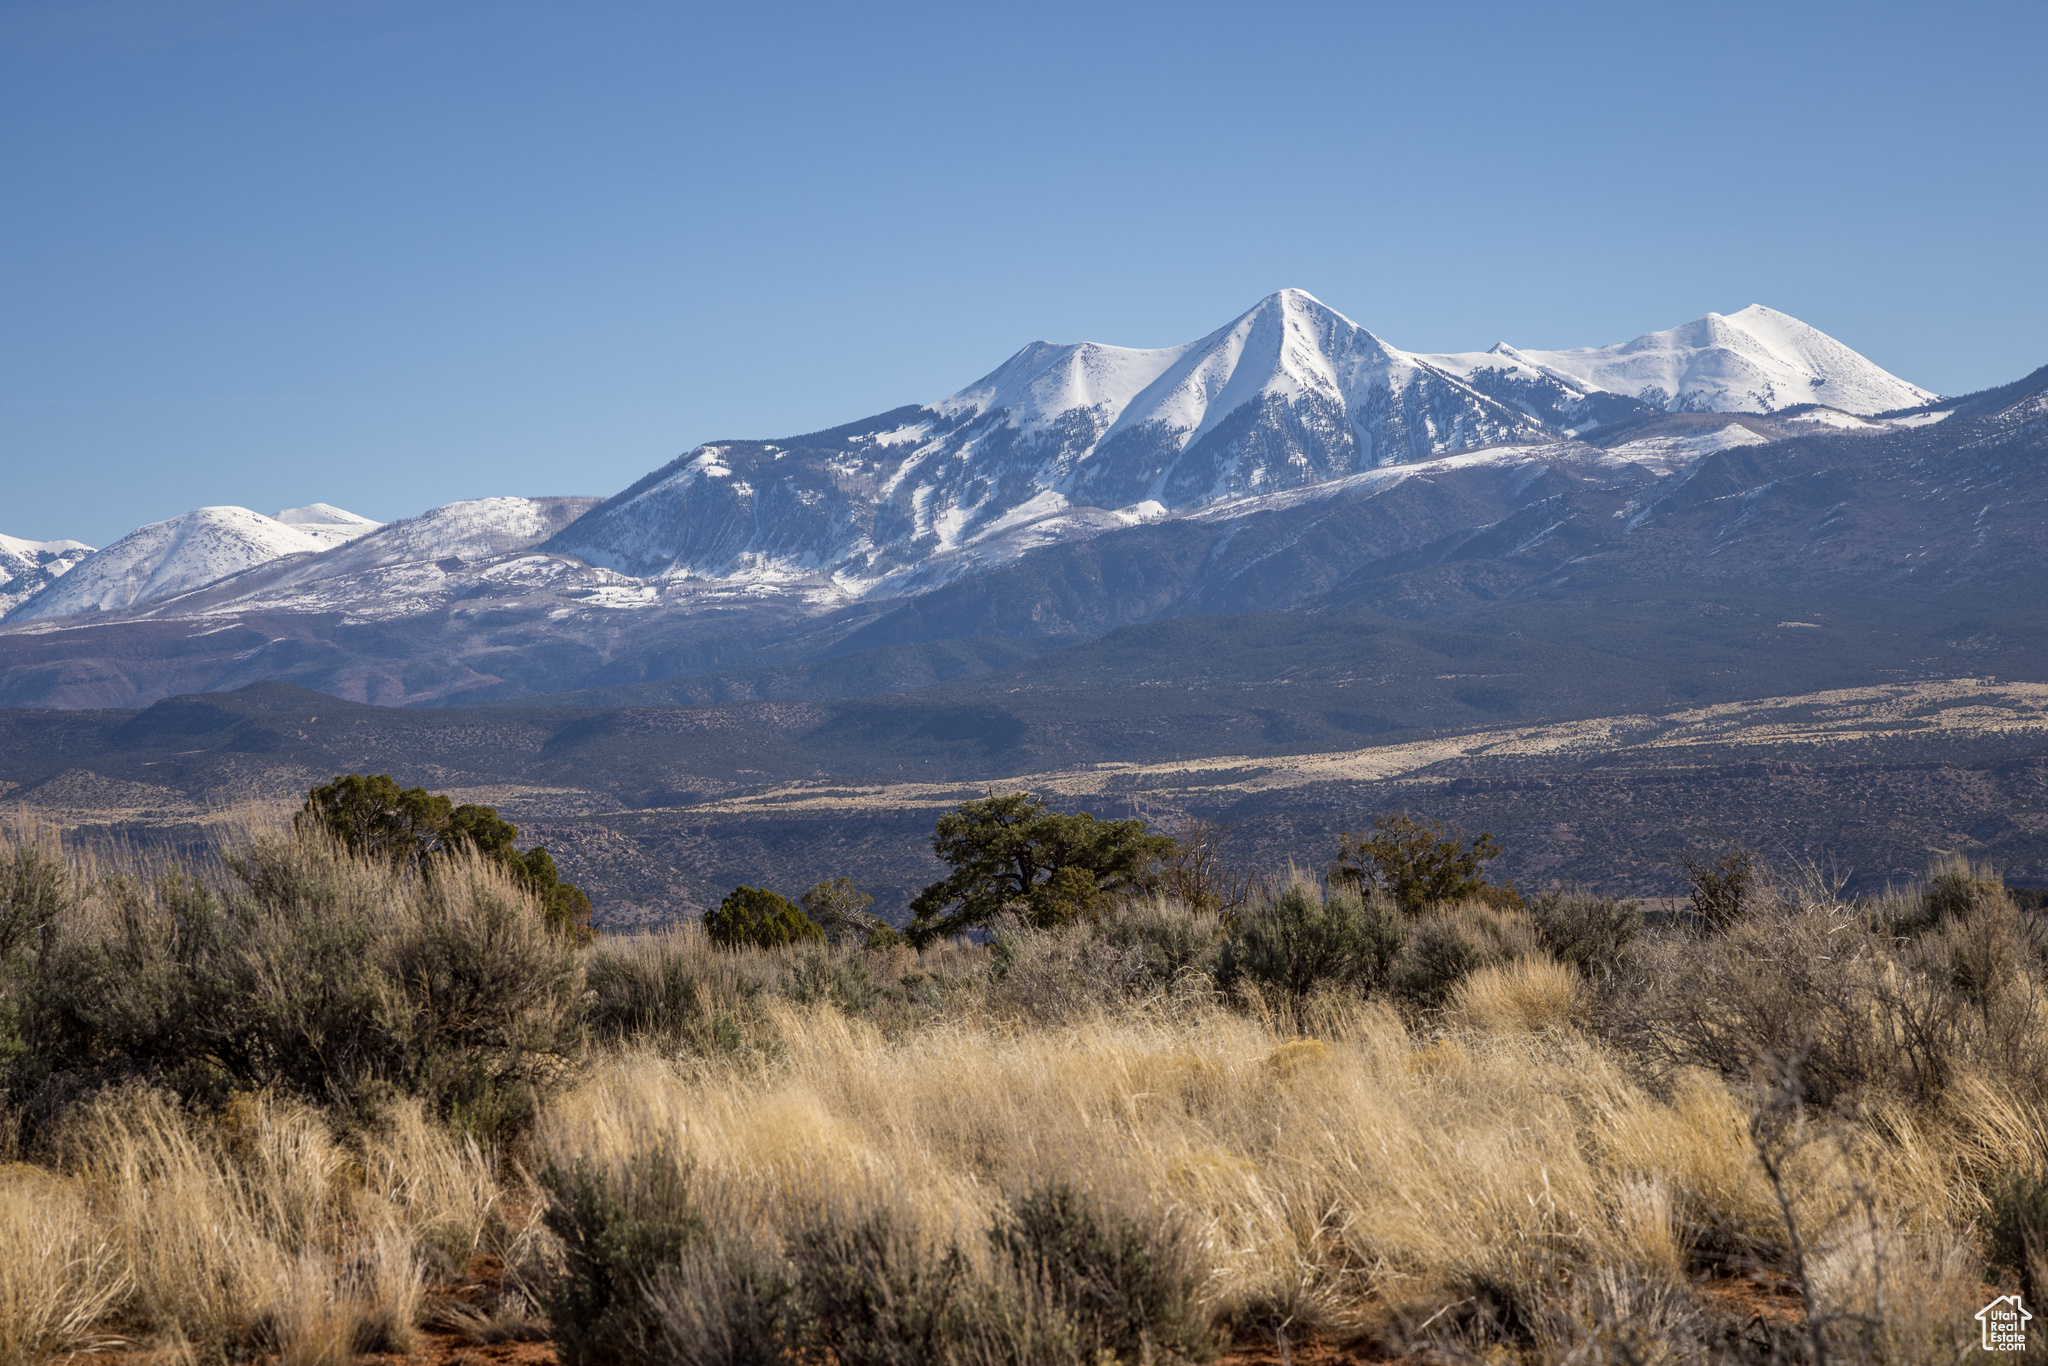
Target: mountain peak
{"x":1291,"y":297}
{"x":15,"y":545}
{"x":28,"y":567}
{"x":326,"y":523}
{"x":1753,"y":360}
{"x":322,"y":514}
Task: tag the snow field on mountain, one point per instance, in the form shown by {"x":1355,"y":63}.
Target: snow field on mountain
{"x":1754,"y":360}
{"x":14,"y":548}
{"x":326,"y":523}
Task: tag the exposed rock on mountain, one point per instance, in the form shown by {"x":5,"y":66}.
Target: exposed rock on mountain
{"x":28,"y":567}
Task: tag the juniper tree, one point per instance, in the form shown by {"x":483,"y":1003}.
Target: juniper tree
{"x":370,"y":814}
{"x":1010,"y":851}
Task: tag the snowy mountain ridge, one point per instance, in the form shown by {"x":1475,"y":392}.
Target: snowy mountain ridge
{"x":175,"y":556}
{"x":326,"y":523}
{"x":1061,"y":442}
{"x":17,"y":548}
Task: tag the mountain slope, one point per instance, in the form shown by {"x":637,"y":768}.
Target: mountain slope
{"x":402,"y":567}
{"x":1287,"y":456}
{"x":1811,"y":499}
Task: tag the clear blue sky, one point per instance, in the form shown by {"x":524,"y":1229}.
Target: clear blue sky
{"x":389,"y":253}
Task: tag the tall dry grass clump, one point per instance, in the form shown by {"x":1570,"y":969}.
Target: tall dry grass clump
{"x":248,"y":1230}
{"x":61,"y":1277}
{"x":1440,"y":1129}
{"x":1360,"y":1182}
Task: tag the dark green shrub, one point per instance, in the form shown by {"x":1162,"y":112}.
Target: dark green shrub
{"x":274,"y":988}
{"x":371,"y":816}
{"x":616,"y":1236}
{"x":1437,"y":956}
{"x":1418,"y":864}
{"x":672,"y":986}
{"x":1171,"y":940}
{"x":1956,"y":889}
{"x":651,"y":1272}
{"x":2016,"y":1230}
{"x":34,"y":889}
{"x":1128,"y":1291}
{"x":1009,"y":850}
{"x":565,"y":905}
{"x":480,"y":995}
{"x":1302,"y":941}
{"x":814,"y":974}
{"x":1833,"y":997}
{"x":752,"y":917}
{"x":304,"y":969}
{"x":1589,"y":932}
{"x":730,"y":1302}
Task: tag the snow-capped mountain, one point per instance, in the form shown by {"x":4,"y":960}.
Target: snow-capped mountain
{"x":28,"y":567}
{"x":462,"y":604}
{"x":1291,"y":393}
{"x":164,"y":559}
{"x":1066,"y":440}
{"x":1061,"y":443}
{"x":1755,"y":361}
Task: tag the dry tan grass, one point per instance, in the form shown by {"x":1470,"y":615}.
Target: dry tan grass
{"x":59,"y":1275}
{"x":1523,"y":994}
{"x":1364,"y":1176}
{"x":1368,"y":1177}
{"x":254,"y":1225}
